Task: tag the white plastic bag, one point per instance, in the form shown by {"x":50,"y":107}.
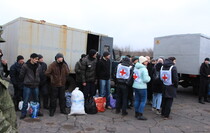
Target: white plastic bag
{"x":20,"y":105}
{"x":77,"y":100}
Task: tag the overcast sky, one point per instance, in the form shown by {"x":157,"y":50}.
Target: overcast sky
{"x":132,"y":23}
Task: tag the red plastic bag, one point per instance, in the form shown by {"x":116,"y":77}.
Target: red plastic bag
{"x":100,"y":103}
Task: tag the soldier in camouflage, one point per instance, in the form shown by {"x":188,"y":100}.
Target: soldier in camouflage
{"x":7,"y":110}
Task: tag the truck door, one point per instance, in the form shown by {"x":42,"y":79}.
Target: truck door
{"x":106,"y":44}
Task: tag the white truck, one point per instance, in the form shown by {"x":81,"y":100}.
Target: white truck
{"x":24,"y":36}
{"x":190,"y":51}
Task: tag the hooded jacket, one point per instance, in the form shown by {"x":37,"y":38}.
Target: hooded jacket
{"x":30,"y":74}
{"x":145,"y":78}
{"x":170,"y":91}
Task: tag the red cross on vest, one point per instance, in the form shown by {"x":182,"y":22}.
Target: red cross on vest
{"x":122,"y":72}
{"x":165,"y":77}
{"x":135,"y":76}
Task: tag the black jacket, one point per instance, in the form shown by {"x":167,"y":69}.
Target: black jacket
{"x":88,"y":69}
{"x":30,"y":74}
{"x":204,"y":71}
{"x":170,"y":91}
{"x":43,"y":77}
{"x":157,"y":84}
{"x":78,"y":70}
{"x":14,"y":74}
{"x":103,"y":69}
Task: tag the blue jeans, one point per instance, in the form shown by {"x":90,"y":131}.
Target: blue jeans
{"x":140,"y":100}
{"x":105,"y":90}
{"x":156,"y":101}
{"x":26,"y":96}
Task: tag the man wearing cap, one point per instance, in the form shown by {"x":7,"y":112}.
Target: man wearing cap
{"x":88,"y":71}
{"x":17,"y":83}
{"x":57,"y":72}
{"x":204,"y":81}
{"x":43,"y":87}
{"x":103,"y":73}
{"x":30,"y":74}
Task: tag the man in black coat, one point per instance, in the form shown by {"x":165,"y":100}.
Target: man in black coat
{"x":103,"y":71}
{"x":17,"y":83}
{"x":44,"y":83}
{"x":169,"y":76}
{"x":204,"y":81}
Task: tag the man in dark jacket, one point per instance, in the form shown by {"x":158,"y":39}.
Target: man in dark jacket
{"x":88,"y":71}
{"x":103,"y":74}
{"x":17,"y":83}
{"x":169,"y":76}
{"x":57,"y":72}
{"x":30,"y":74}
{"x":122,"y":75}
{"x":149,"y":85}
{"x":78,"y":73}
{"x":43,"y":87}
{"x":204,"y":81}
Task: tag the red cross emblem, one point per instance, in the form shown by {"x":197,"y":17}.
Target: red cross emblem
{"x":165,"y":77}
{"x":122,"y":72}
{"x":135,"y":76}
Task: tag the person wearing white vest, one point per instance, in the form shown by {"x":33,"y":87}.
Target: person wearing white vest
{"x":169,"y":76}
{"x":141,"y":78}
{"x":122,"y":75}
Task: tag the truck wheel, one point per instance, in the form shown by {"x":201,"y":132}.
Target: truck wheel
{"x":70,"y":84}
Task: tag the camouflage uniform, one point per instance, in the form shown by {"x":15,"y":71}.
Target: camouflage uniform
{"x":7,"y":110}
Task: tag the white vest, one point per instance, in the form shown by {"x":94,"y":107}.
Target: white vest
{"x":123,"y":72}
{"x":137,"y":75}
{"x":166,"y":76}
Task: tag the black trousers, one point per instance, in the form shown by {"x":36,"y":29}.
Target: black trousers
{"x":44,"y":94}
{"x":18,"y":96}
{"x":149,"y":91}
{"x":57,"y":92}
{"x":166,"y":106}
{"x":89,"y":90}
{"x":203,"y":90}
{"x":122,"y":97}
{"x":130,"y":95}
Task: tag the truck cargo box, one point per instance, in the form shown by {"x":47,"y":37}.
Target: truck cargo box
{"x":190,"y":51}
{"x":24,"y":36}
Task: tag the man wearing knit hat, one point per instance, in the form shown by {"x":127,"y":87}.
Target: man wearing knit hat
{"x":104,"y":73}
{"x":17,"y":83}
{"x":30,"y":74}
{"x":57,"y":72}
{"x":88,"y":72}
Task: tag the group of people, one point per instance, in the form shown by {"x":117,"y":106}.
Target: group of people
{"x":135,"y":75}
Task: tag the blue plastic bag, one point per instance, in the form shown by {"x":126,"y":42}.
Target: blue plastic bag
{"x":68,"y":99}
{"x":35,"y":109}
{"x":112,"y":101}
